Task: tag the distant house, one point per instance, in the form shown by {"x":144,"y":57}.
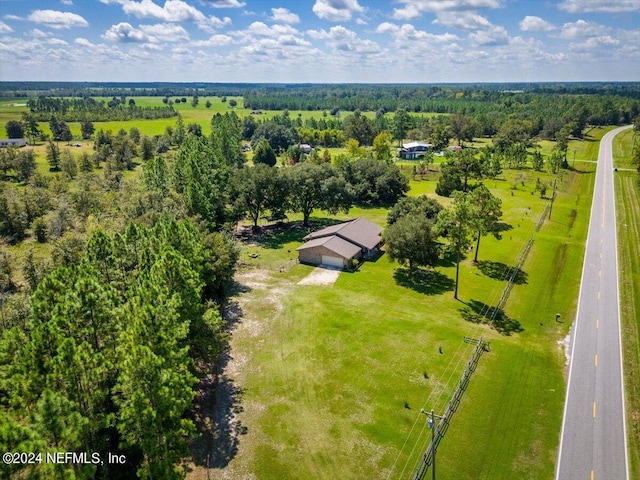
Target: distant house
{"x":339,"y":245}
{"x":414,"y":150}
{"x":12,"y":142}
{"x":306,"y":148}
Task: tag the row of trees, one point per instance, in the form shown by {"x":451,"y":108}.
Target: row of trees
{"x":415,"y":224}
{"x":88,"y":108}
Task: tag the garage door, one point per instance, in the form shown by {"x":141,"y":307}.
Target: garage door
{"x":332,"y":261}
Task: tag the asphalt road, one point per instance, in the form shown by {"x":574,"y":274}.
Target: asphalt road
{"x":593,"y":443}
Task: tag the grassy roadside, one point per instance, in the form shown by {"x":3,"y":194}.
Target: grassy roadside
{"x":628,"y":219}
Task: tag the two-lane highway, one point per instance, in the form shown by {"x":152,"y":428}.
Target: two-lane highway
{"x":593,"y":442}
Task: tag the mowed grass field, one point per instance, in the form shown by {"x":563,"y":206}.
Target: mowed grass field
{"x":628,"y":217}
{"x":331,"y":379}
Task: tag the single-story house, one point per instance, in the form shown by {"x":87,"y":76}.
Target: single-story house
{"x":339,"y":245}
{"x":12,"y":142}
{"x":414,"y":150}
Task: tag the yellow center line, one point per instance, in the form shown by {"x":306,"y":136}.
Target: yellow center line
{"x":600,"y":273}
{"x":596,"y":361}
{"x":598,"y":295}
{"x":600,"y":255}
{"x":597,"y":323}
{"x":594,"y":409}
{"x":592,"y":477}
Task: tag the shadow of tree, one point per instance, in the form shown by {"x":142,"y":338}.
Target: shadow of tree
{"x":217,"y":402}
{"x":479,"y":312}
{"x":428,"y":282}
{"x":501,"y":271}
{"x":502,"y":227}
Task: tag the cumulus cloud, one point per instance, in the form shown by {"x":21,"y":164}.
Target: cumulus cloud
{"x":56,"y":19}
{"x":496,"y":35}
{"x":174,"y":11}
{"x":213,"y":41}
{"x":582,"y":29}
{"x":407,"y":33}
{"x":336,"y":10}
{"x":125,"y":32}
{"x":56,"y":41}
{"x":261,"y":29}
{"x":463,"y":21}
{"x":608,"y":6}
{"x":594,"y":43}
{"x":224,"y":3}
{"x":342,"y":39}
{"x":535,"y":24}
{"x":414,"y":8}
{"x":283,"y":15}
{"x":167,"y":32}
{"x":4,"y":28}
{"x":83,"y":42}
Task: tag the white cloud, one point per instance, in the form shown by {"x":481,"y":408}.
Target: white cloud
{"x":594,"y":43}
{"x":83,"y":42}
{"x":223,"y":3}
{"x":4,"y":28}
{"x":413,"y":8}
{"x":342,"y":39}
{"x":283,"y":15}
{"x":56,"y":41}
{"x":214,"y":41}
{"x":37,"y":33}
{"x":386,"y":27}
{"x":261,"y":29}
{"x":535,"y":24}
{"x":407,"y":34}
{"x":67,"y":2}
{"x":56,"y":19}
{"x":174,"y":11}
{"x":463,"y":21}
{"x":336,"y":10}
{"x":496,"y":35}
{"x":609,"y":6}
{"x":166,"y":32}
{"x":582,"y":29}
{"x":125,"y":32}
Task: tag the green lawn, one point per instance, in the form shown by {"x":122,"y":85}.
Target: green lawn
{"x":623,"y":148}
{"x":333,"y":378}
{"x":628,"y":217}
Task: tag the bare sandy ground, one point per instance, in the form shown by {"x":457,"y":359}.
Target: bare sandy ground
{"x":321,"y":276}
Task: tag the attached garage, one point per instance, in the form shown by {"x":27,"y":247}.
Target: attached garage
{"x":329,"y":251}
{"x":332,"y":261}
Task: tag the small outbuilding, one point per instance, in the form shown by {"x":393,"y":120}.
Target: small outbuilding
{"x":12,"y":142}
{"x":339,"y":245}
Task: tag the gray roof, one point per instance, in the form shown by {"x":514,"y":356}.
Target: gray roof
{"x":341,"y":247}
{"x":360,"y":232}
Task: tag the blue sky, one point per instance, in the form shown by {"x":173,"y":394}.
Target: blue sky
{"x":318,"y":41}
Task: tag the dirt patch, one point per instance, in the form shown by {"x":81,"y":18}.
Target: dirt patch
{"x":321,"y":276}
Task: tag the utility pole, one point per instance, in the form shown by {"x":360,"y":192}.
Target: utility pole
{"x":431,"y":421}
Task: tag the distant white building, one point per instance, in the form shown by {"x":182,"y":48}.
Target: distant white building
{"x":12,"y":142}
{"x":414,"y":150}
